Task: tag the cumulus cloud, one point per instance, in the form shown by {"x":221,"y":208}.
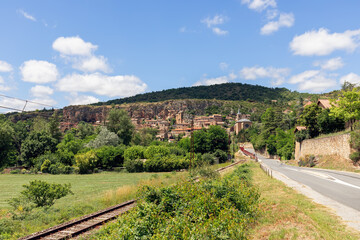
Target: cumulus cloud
{"x":112,"y":86}
{"x":331,"y":64}
{"x":5,"y":67}
{"x":351,"y":78}
{"x":313,"y":81}
{"x":277,"y":75}
{"x":259,"y":5}
{"x":92,"y":64}
{"x":219,"y":31}
{"x":81,"y":54}
{"x":285,"y":20}
{"x":82,"y":100}
{"x":41,"y":91}
{"x":322,"y":42}
{"x":39,"y":71}
{"x":73,"y":46}
{"x":26,"y":15}
{"x":215,"y":21}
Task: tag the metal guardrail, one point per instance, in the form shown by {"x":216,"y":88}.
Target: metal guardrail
{"x":267,"y":170}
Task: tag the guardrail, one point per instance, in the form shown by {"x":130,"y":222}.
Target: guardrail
{"x":267,"y":170}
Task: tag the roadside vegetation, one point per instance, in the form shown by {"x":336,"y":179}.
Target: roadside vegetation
{"x":214,"y":208}
{"x":91,"y":192}
{"x":287,"y":214}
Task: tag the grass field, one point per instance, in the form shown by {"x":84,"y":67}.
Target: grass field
{"x":85,"y":187}
{"x":290,"y":215}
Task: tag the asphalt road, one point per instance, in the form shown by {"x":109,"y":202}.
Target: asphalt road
{"x":343,"y":187}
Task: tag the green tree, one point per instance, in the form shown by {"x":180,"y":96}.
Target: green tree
{"x":120,"y":123}
{"x":328,"y":123}
{"x":36,"y":144}
{"x":348,"y":106}
{"x":85,"y":130}
{"x":54,"y":127}
{"x":68,"y":147}
{"x":104,"y":138}
{"x":87,"y":162}
{"x":44,"y":194}
{"x":6,"y":144}
{"x":110,"y":156}
{"x":309,"y":118}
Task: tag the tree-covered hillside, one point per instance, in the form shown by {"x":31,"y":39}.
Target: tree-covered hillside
{"x":226,"y":91}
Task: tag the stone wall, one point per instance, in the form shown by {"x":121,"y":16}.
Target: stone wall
{"x":334,"y":145}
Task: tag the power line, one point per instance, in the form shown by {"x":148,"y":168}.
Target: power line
{"x":2,"y":95}
{"x":26,"y":102}
{"x":11,"y":108}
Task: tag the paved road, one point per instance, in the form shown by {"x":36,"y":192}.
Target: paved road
{"x":342,"y":187}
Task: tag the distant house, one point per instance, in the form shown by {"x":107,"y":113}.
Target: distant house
{"x":308,"y":103}
{"x":324,"y":103}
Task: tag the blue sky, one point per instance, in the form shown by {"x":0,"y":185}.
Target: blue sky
{"x":77,"y":52}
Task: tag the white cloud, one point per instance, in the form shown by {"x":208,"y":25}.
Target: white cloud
{"x":82,"y":100}
{"x":285,"y":20}
{"x":259,"y":5}
{"x":39,"y":71}
{"x":277,"y":75}
{"x":272,"y":14}
{"x":5,"y":67}
{"x":73,"y":46}
{"x":42,"y":100}
{"x":218,"y":80}
{"x":313,"y":81}
{"x":351,"y":78}
{"x":41,"y":91}
{"x":223,"y":66}
{"x":304,"y":76}
{"x":331,"y":64}
{"x":26,"y":15}
{"x":112,"y":86}
{"x":322,"y":42}
{"x":92,"y":64}
{"x":219,"y":31}
{"x":216,"y":20}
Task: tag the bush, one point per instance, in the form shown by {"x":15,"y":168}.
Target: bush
{"x":207,"y":159}
{"x":177,"y":151}
{"x":44,"y":194}
{"x":308,"y":161}
{"x":165,"y":163}
{"x":151,"y":151}
{"x":86,"y":161}
{"x":110,"y":156}
{"x":15,"y":171}
{"x":45,"y":166}
{"x":135,"y":165}
{"x":221,"y":156}
{"x":134,"y":152}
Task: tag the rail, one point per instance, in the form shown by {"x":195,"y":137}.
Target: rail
{"x":86,"y":223}
{"x":266,"y":169}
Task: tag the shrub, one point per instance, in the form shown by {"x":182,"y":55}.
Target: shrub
{"x":207,"y":158}
{"x":44,"y":194}
{"x":165,"y":163}
{"x":45,"y":166}
{"x":86,"y":161}
{"x":177,"y":151}
{"x":15,"y":171}
{"x":221,"y":155}
{"x":134,"y":152}
{"x":110,"y":156}
{"x":153,"y":150}
{"x":135,"y":165}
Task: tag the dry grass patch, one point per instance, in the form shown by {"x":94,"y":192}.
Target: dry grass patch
{"x":336,"y":163}
{"x":287,"y":214}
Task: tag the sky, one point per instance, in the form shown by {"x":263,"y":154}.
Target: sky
{"x":61,"y":53}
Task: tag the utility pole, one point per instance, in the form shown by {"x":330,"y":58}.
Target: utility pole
{"x":192,"y":156}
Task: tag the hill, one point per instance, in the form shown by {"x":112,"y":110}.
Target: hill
{"x":226,"y":91}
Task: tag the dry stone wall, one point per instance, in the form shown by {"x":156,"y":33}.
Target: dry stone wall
{"x":333,"y":145}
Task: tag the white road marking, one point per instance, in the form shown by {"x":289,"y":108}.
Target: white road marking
{"x":324,"y":176}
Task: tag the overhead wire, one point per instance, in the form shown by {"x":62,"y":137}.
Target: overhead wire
{"x":26,"y":102}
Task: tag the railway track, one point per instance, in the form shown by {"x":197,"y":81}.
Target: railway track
{"x":86,"y":223}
